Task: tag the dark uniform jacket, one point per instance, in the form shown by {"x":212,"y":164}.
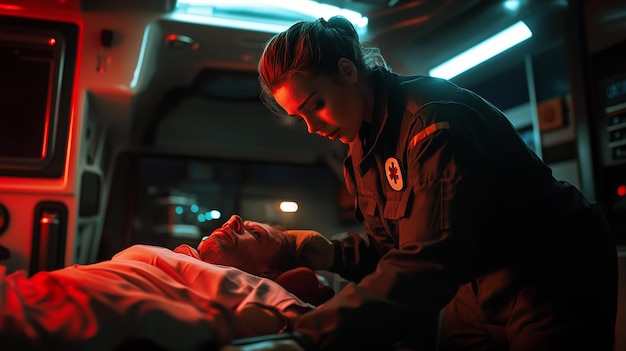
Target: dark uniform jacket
{"x":450,"y":195}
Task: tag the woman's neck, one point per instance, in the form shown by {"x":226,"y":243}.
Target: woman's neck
{"x":368,"y":90}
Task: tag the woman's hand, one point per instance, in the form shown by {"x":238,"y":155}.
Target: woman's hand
{"x":313,"y":249}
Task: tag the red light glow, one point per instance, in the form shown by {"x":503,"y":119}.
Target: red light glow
{"x":52,"y":41}
{"x":11,"y":7}
{"x":621,"y":190}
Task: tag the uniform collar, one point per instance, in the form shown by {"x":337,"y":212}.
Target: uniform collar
{"x":388,"y":100}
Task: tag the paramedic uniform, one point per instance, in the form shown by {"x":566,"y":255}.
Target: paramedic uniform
{"x":459,"y":212}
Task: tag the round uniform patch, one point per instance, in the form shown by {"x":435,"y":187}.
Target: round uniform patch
{"x":394,"y":174}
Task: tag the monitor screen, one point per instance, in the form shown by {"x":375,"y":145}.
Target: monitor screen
{"x":36,"y":80}
{"x":25,"y":96}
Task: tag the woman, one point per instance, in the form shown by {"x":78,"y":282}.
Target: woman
{"x":458,"y":212}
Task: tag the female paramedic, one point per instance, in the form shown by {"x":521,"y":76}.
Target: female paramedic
{"x":457,"y":211}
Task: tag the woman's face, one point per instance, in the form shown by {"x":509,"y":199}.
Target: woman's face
{"x":333,"y":109}
{"x":247,"y":245}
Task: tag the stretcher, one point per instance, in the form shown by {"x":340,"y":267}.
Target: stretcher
{"x":144,"y":298}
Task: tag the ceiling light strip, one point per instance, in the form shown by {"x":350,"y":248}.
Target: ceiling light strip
{"x":482,"y":52}
{"x":265,"y":12}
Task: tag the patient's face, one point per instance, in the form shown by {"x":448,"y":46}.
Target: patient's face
{"x":246,"y":245}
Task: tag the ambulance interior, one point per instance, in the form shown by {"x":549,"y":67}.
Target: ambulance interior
{"x":126,"y":122}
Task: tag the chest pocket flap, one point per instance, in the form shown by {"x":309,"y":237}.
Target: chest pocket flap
{"x":367,"y":205}
{"x":396,"y":207}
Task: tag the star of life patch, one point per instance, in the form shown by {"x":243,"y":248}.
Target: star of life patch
{"x":394,"y":174}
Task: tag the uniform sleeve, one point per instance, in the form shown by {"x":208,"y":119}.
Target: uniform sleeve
{"x":445,"y":176}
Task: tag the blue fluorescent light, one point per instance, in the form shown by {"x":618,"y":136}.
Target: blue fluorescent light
{"x":489,"y":48}
{"x":263,"y":15}
{"x":512,"y":5}
{"x":231,"y":23}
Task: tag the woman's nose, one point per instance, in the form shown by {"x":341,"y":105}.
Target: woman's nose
{"x":235,"y":223}
{"x":311,"y":126}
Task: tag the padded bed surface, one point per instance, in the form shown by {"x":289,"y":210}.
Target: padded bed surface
{"x":143,"y":294}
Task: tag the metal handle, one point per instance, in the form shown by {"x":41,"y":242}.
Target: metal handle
{"x":48,"y":237}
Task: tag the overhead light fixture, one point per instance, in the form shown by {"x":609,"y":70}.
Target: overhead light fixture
{"x":487,"y":49}
{"x":289,"y":206}
{"x":262,"y":15}
{"x":512,"y":5}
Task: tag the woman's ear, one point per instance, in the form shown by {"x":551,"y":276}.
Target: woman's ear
{"x":347,"y":71}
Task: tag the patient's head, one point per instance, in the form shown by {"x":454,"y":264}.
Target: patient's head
{"x":254,"y":247}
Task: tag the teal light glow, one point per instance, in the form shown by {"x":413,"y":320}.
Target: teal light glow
{"x":271,"y":16}
{"x":480,"y":53}
{"x":178,"y":210}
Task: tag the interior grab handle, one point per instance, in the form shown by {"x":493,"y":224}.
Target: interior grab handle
{"x":49,"y":237}
{"x":48,"y":234}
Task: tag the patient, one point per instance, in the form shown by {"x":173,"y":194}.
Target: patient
{"x":185,"y":299}
{"x":257,"y":248}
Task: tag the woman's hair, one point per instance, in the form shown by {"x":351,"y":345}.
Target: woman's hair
{"x":313,"y":48}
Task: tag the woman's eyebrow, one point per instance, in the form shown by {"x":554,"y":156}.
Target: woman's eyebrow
{"x":301,"y":106}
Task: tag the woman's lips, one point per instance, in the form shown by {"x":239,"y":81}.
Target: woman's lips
{"x":334,"y":135}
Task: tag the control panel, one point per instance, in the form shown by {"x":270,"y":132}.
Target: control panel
{"x":613,"y":93}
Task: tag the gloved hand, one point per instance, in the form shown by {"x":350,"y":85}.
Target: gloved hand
{"x":313,"y":250}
